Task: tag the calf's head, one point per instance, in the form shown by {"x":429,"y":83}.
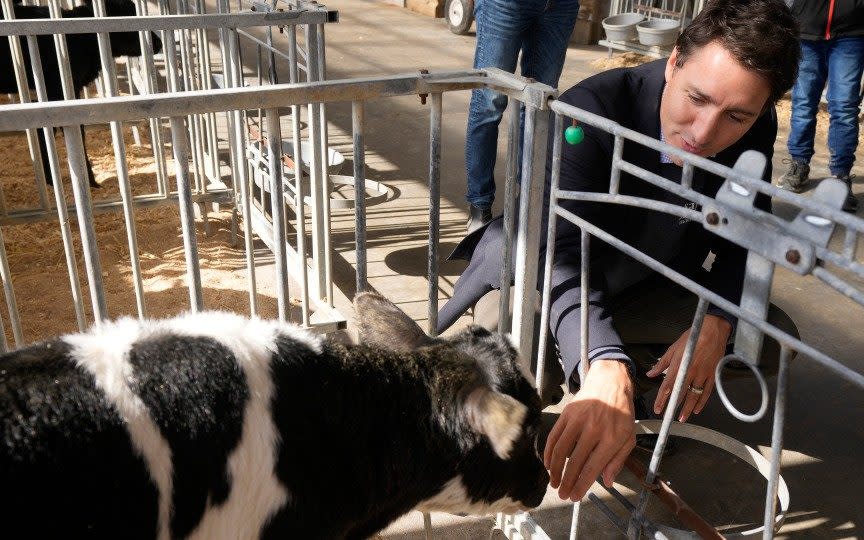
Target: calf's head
{"x":485,"y":400}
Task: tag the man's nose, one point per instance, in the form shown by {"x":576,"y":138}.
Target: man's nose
{"x":704,"y":127}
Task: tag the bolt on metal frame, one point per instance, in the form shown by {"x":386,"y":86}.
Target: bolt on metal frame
{"x":188,"y":66}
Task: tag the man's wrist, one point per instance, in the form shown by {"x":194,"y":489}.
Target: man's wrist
{"x":618,"y":369}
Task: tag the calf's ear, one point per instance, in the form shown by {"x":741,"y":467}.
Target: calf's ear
{"x":497,"y":416}
{"x":379,"y":322}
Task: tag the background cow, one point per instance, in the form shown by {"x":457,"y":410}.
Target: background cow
{"x":216,"y":426}
{"x":83,"y":57}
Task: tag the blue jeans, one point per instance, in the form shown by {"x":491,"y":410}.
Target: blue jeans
{"x":541,"y":30}
{"x":840,"y":62}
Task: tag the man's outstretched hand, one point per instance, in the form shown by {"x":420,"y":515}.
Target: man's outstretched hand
{"x":710,"y":348}
{"x":594,"y":432}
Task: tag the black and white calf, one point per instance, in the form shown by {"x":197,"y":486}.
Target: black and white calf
{"x":217,"y":426}
{"x":84,"y":62}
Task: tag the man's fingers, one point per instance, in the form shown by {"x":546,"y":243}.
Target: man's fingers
{"x":665,"y":391}
{"x":689,"y":404}
{"x":574,"y":466}
{"x":563,"y":447}
{"x":589,"y":473}
{"x":614,"y":466}
{"x":706,"y":394}
{"x":552,"y":439}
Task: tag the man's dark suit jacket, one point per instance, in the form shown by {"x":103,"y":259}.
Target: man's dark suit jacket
{"x":631,"y":97}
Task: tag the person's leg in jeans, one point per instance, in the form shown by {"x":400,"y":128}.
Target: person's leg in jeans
{"x":806,"y":93}
{"x":501,"y":29}
{"x":845,"y":66}
{"x":544,"y":50}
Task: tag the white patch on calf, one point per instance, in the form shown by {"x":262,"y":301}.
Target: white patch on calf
{"x":454,"y":498}
{"x":103,"y":352}
{"x":256,"y":493}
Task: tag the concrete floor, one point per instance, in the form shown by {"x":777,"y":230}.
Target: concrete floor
{"x":826,"y":414}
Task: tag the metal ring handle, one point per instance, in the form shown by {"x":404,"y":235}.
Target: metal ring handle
{"x":755,"y":417}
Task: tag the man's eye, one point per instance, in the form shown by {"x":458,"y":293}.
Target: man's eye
{"x":736,"y":119}
{"x":696,"y":99}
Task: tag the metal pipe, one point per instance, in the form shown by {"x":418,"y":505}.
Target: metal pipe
{"x":325,"y":162}
{"x":84,"y":210}
{"x":671,"y":406}
{"x":357,"y":120}
{"x":187,"y":217}
{"x":11,"y":302}
{"x":277,"y":201}
{"x":550,"y":256}
{"x":514,"y":133}
{"x":434,"y":209}
{"x":528,"y":240}
{"x":776,"y":443}
{"x":299,"y":182}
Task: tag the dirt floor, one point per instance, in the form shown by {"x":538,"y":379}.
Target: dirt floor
{"x":37,"y":259}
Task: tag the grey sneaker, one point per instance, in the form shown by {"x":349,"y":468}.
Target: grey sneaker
{"x":478,"y":216}
{"x":795,"y":176}
{"x":851,"y":203}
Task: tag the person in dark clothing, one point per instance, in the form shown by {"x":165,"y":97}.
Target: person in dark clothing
{"x":713,"y":97}
{"x":832,"y":52}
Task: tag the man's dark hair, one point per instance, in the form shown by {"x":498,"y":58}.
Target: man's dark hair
{"x":762,"y":35}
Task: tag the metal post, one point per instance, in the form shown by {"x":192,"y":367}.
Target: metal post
{"x":434,"y":208}
{"x":299,"y":182}
{"x":84,"y":210}
{"x":357,"y":118}
{"x":528,"y":240}
{"x":180,"y":144}
{"x":776,"y":443}
{"x":514,"y":133}
{"x":277,"y":201}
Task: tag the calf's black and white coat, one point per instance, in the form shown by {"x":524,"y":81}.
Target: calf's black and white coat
{"x":217,"y":426}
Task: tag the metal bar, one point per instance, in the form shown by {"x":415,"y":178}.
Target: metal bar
{"x":671,"y":406}
{"x":325,"y":160}
{"x":91,"y":25}
{"x":187,"y":218}
{"x":316,"y":181}
{"x":528,"y":240}
{"x":11,"y":302}
{"x":120,"y":161}
{"x":16,"y":117}
{"x":274,"y":153}
{"x":615,"y":178}
{"x":84,"y":210}
{"x":300,"y":206}
{"x":650,"y":204}
{"x":550,"y":256}
{"x":514,"y":133}
{"x":357,"y":120}
{"x":776,"y":443}
{"x":584,"y":281}
{"x":48,"y":134}
{"x":104,"y":207}
{"x":434,"y":209}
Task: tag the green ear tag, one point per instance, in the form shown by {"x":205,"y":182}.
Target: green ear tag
{"x":574,"y":134}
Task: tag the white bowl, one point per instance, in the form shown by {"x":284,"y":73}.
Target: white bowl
{"x":334,"y":158}
{"x":660,"y":32}
{"x":622,"y":27}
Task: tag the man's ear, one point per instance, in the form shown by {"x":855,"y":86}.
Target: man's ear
{"x":497,"y":416}
{"x":670,"y":64}
{"x":379,"y":322}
